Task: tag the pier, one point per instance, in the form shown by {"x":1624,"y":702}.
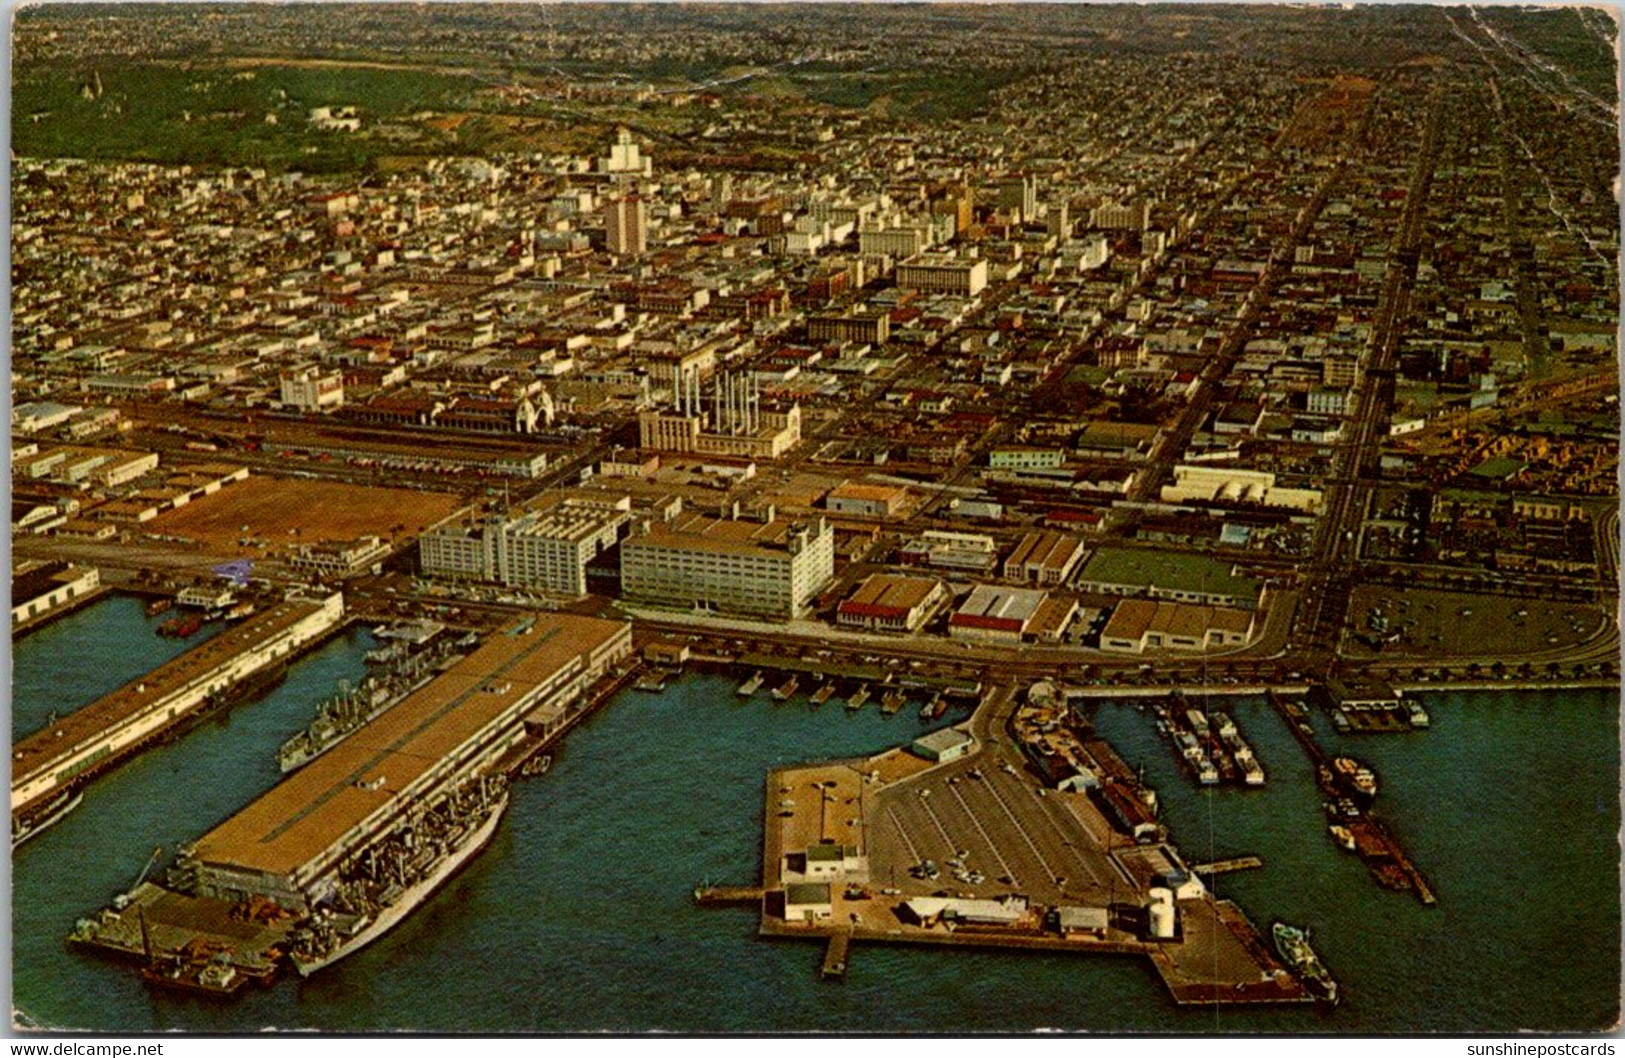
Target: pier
{"x":834,"y":968}
{"x":728,"y":895}
{"x":89,"y":741}
{"x":353,"y":840}
{"x":1374,"y":843}
{"x":1235,"y":863}
{"x":970,"y":852}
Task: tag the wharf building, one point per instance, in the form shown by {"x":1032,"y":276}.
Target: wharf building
{"x":291,"y":845}
{"x":45,"y":588}
{"x":771,"y":568}
{"x":888,"y":603}
{"x":735,"y":424}
{"x":92,"y":738}
{"x":546,"y":549}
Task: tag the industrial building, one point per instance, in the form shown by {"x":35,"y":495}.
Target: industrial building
{"x":870,"y":501}
{"x":1010,"y":616}
{"x":734,"y":424}
{"x":1168,"y":575}
{"x":772,"y":567}
{"x":1137,"y":625}
{"x":1046,"y":558}
{"x":289,"y":844}
{"x":546,"y":549}
{"x":1234,"y":486}
{"x":888,"y":603}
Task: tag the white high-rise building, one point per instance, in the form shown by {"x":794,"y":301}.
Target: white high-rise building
{"x":626,"y":158}
{"x":772,"y":568}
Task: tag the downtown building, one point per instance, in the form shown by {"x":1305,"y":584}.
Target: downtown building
{"x":546,"y":549}
{"x":773,"y":567}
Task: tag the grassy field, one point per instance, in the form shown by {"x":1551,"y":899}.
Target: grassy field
{"x":215,"y":116}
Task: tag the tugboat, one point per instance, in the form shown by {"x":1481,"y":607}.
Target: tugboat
{"x":1293,"y":944}
{"x":181,"y":627}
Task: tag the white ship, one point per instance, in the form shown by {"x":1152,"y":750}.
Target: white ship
{"x":363,"y":930}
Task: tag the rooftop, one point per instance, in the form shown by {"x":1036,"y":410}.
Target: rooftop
{"x":1168,"y":570}
{"x":315,"y":807}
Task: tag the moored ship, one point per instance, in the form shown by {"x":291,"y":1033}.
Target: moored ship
{"x":398,"y":878}
{"x":48,"y":817}
{"x":1293,"y":944}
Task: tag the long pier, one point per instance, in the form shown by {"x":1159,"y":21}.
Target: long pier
{"x":69,"y":753}
{"x":1375,"y":843}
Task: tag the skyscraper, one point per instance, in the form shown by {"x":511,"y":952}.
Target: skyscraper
{"x":626,"y":226}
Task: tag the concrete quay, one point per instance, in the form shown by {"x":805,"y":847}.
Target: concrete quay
{"x":974,"y":853}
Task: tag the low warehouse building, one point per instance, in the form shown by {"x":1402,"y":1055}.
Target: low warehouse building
{"x":943,"y":746}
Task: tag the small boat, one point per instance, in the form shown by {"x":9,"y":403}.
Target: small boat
{"x":654,"y":682}
{"x":240,"y":611}
{"x":750,"y":686}
{"x":158,"y":606}
{"x":939,"y":707}
{"x":215,"y":977}
{"x":1417,"y":715}
{"x":786,"y":689}
{"x":537,"y":765}
{"x":1356,"y":775}
{"x":181,"y":627}
{"x":892,"y":702}
{"x":859,"y":696}
{"x":925,"y":711}
{"x":1343,"y":836}
{"x":1293,"y":944}
{"x":822,"y":695}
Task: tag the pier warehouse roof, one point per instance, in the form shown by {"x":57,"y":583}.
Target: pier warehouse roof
{"x":91,"y":738}
{"x":285,"y":845}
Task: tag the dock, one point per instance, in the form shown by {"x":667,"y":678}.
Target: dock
{"x":1235,"y":863}
{"x":834,"y":968}
{"x":1375,"y":843}
{"x":87,"y":742}
{"x":728,"y":895}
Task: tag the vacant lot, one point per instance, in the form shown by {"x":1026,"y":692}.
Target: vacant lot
{"x":263,"y":515}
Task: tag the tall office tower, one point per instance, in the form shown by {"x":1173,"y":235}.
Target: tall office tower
{"x":626,"y":226}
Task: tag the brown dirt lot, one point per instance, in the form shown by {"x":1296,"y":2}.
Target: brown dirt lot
{"x":284,"y":513}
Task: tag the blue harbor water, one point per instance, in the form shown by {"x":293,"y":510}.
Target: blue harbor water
{"x":579,"y":915}
{"x":90,"y":652}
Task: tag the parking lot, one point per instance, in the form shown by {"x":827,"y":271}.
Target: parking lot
{"x":1009,"y":834}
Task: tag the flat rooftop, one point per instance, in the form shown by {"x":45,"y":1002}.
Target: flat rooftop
{"x":315,"y":807}
{"x":700,"y":532}
{"x":1169,"y":570}
{"x":71,"y":732}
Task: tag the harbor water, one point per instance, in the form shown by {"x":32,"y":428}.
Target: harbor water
{"x":579,"y":915}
